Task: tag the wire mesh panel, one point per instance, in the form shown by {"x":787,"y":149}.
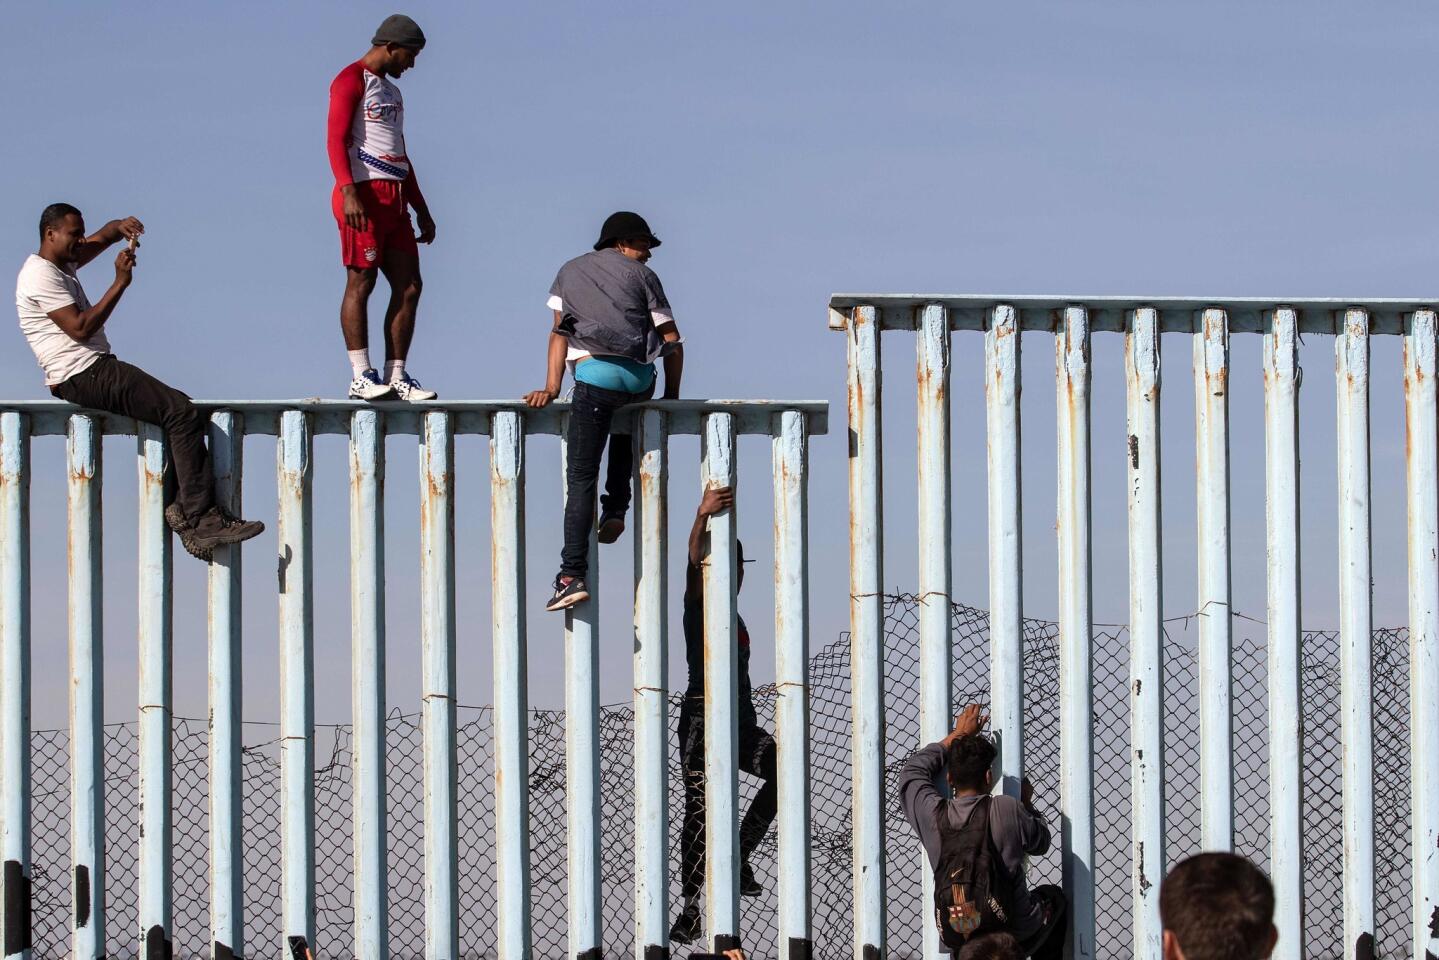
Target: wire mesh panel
{"x":831,"y":778}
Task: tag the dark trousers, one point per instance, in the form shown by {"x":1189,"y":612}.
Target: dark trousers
{"x":591,"y":411}
{"x":757,"y":758}
{"x":1047,"y":943}
{"x":114,"y":386}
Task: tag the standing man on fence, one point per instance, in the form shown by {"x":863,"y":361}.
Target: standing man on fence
{"x":67,"y":335}
{"x":756,"y":744}
{"x":375,"y":186}
{"x":612,"y":322}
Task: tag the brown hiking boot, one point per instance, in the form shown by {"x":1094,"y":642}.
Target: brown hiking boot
{"x":213,"y":528}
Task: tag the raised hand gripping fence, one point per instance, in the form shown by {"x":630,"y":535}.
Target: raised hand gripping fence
{"x":1210,"y":322}
{"x":508,"y":425}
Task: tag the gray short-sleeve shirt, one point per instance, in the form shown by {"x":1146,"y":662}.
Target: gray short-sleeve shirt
{"x":608,"y":300}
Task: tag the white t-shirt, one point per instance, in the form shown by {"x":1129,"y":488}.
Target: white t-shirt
{"x":40,"y":288}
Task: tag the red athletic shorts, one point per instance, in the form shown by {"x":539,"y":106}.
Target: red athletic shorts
{"x":389,"y":227}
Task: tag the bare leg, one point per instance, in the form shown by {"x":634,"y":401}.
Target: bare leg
{"x":402,"y":272}
{"x":354,"y":313}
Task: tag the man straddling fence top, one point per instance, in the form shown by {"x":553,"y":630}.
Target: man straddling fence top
{"x":977,"y":843}
{"x":374,"y":187}
{"x":611,"y":323}
{"x":67,"y":334}
{"x":756,"y":745}
{"x":1217,"y":906}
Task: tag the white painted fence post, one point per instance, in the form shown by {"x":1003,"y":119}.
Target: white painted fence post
{"x":1286,"y":746}
{"x":508,"y":636}
{"x":1211,"y":414}
{"x":1076,"y":631}
{"x":1356,"y":630}
{"x":1146,"y":632}
{"x":15,"y":684}
{"x":297,"y":683}
{"x":367,"y":639}
{"x":156,"y":701}
{"x":866,"y":617}
{"x":1006,"y":580}
{"x":651,"y":667}
{"x":1421,"y":403}
{"x":935,"y":709}
{"x":227,"y":775}
{"x":438,"y":695}
{"x":791,"y":640}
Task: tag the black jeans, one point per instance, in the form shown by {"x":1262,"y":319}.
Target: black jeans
{"x":591,"y":411}
{"x":757,"y":757}
{"x":114,"y":386}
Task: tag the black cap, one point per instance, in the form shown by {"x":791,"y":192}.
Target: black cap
{"x":624,"y":226}
{"x":400,"y":29}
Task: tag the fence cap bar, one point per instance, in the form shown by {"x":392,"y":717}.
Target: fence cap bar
{"x":472,"y":416}
{"x":900,"y":311}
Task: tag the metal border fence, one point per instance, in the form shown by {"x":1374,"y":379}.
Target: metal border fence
{"x":829,"y":729}
{"x":509,"y":426}
{"x":1209,"y":323}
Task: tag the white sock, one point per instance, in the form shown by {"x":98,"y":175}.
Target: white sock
{"x":394,"y":370}
{"x":359,"y":361}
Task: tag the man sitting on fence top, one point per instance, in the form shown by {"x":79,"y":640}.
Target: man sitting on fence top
{"x":612,"y":322}
{"x":977,"y":844}
{"x":1217,"y":906}
{"x":756,"y":744}
{"x":67,"y":334}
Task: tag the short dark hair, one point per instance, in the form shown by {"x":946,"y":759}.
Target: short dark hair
{"x":968,"y":759}
{"x":992,"y":946}
{"x":1219,"y":906}
{"x":53,"y":214}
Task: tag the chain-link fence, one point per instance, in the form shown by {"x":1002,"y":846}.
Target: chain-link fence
{"x":830,"y":777}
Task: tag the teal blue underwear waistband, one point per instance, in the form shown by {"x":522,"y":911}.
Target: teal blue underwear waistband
{"x":615,"y":373}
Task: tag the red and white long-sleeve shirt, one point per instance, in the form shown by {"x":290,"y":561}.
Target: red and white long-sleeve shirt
{"x":365,"y":136}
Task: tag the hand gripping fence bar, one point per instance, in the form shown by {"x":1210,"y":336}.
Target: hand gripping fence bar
{"x":509,"y":426}
{"x":1209,"y":323}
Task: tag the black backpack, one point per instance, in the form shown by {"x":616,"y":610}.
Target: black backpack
{"x":967,"y":889}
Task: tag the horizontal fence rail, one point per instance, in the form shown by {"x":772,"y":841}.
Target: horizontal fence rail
{"x":508,"y":425}
{"x":1210,"y":322}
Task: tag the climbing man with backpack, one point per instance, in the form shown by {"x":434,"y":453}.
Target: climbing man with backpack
{"x":977,"y":844}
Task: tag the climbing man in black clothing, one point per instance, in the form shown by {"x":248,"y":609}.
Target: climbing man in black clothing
{"x":756,"y":745}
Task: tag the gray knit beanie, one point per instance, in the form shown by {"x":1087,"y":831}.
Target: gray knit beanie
{"x":401,"y":30}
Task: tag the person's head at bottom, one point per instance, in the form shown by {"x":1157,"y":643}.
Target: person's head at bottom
{"x":992,"y":946}
{"x":1217,"y":906}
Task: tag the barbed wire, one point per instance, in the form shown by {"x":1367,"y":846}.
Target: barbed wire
{"x":830,"y":724}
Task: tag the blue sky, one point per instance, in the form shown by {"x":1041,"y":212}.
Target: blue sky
{"x":783,"y":152}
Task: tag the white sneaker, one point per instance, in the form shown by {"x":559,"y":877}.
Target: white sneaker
{"x":369,"y":386}
{"x":408,"y":388}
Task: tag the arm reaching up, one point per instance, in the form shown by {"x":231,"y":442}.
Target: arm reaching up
{"x":716,"y":500}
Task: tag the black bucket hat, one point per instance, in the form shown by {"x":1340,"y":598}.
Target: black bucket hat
{"x":624,"y":225}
